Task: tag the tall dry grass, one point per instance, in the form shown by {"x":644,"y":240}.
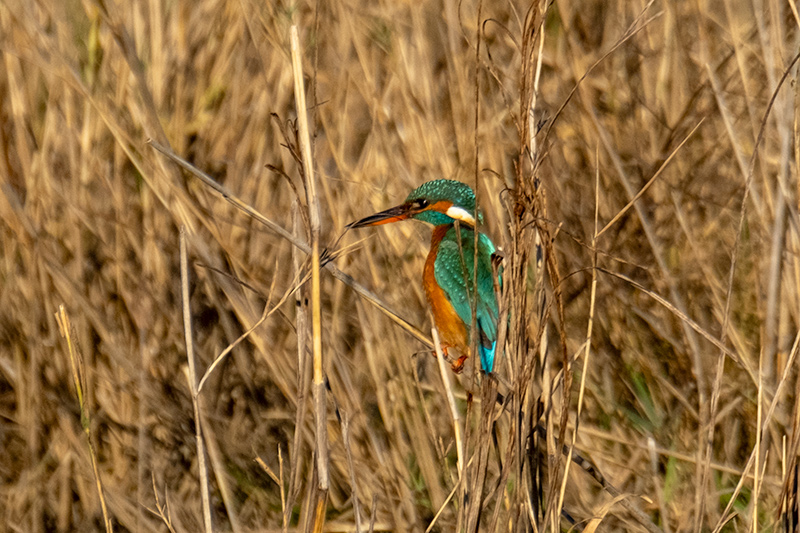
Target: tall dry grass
{"x":636,"y":161}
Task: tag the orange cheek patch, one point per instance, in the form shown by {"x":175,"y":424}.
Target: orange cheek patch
{"x":441,"y":206}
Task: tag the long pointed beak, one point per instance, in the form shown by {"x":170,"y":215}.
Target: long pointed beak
{"x":393,"y":214}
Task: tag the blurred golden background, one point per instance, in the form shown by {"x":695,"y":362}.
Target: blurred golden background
{"x":675,"y":123}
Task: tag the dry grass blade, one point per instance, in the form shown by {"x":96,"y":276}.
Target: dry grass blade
{"x":162,"y":510}
{"x":447,"y":500}
{"x":601,"y":513}
{"x":650,"y":182}
{"x":588,"y":345}
{"x":691,"y":323}
{"x":268,"y":311}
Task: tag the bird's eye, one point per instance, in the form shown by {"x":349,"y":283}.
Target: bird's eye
{"x":421,"y":203}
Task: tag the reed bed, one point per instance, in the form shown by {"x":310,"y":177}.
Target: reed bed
{"x":637,"y":162}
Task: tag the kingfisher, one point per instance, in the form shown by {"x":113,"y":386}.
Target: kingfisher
{"x":448,"y":276}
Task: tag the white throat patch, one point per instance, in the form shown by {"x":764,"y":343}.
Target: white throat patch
{"x":460,"y":214}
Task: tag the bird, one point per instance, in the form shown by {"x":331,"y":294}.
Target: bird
{"x":448,"y":276}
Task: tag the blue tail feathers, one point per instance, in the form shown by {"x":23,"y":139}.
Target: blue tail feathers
{"x":487,"y":357}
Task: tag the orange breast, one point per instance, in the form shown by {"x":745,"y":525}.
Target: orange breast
{"x":451,"y":328}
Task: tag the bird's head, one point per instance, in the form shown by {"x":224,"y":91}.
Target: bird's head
{"x":438,"y":202}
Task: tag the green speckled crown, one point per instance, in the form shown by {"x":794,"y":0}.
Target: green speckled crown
{"x":437,"y":190}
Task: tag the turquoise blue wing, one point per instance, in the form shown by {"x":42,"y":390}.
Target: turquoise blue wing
{"x":455,"y":277}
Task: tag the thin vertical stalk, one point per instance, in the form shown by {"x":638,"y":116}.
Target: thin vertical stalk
{"x":588,"y":350}
{"x":757,"y":452}
{"x":488,"y":384}
{"x":192,"y":377}
{"x":455,"y":417}
{"x":303,"y":371}
{"x":76,"y":362}
{"x":320,"y":412}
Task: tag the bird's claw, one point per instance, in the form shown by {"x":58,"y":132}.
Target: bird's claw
{"x":458,"y":366}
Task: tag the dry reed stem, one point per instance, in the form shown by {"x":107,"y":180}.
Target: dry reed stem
{"x":78,"y":378}
{"x":318,"y":388}
{"x":757,"y":450}
{"x":191,"y":377}
{"x":303,"y":381}
{"x":474,"y":483}
{"x":218,"y":466}
{"x":447,"y":387}
{"x":285,"y":525}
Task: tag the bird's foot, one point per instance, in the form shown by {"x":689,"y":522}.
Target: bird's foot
{"x":444,"y":353}
{"x":458,"y":366}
